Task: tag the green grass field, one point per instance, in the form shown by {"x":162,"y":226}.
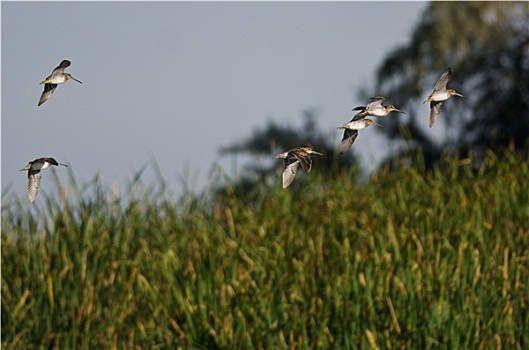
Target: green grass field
{"x":412,"y":259}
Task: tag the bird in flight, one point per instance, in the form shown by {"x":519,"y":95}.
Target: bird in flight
{"x":56,"y":77}
{"x":439,"y":94}
{"x":34,"y":174}
{"x":375,"y":109}
{"x":351,"y":132}
{"x":293,"y":159}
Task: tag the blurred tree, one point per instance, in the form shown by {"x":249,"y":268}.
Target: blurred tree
{"x":487,"y":46}
{"x":275,"y":138}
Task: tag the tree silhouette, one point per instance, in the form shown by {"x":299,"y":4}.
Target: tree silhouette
{"x":487,"y":46}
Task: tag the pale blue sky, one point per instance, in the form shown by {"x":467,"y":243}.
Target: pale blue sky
{"x":178,"y":80}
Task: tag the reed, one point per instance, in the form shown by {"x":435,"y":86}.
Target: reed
{"x":411,"y":259}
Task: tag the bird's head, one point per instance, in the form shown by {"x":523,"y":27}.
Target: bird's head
{"x":368,"y":122}
{"x":392,"y":108}
{"x":27,"y":167}
{"x":69,"y":76}
{"x":311,"y":151}
{"x":452,"y":92}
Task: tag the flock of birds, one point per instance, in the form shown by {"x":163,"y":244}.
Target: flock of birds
{"x":292,"y":158}
{"x":302,"y":155}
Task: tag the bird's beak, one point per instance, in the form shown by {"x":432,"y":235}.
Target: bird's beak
{"x":25,"y":168}
{"x":398,"y":110}
{"x":458,"y":94}
{"x":427,"y":100}
{"x":80,"y":82}
{"x":62,"y":164}
{"x":42,"y":82}
{"x":342,"y":126}
{"x":378,"y":124}
{"x":318,"y":153}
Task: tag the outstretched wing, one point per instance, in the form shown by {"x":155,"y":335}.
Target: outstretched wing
{"x":33,"y":184}
{"x":46,"y":94}
{"x":360,"y":115}
{"x":291,"y":168}
{"x":50,"y":160}
{"x":61,"y":66}
{"x":305,"y":160}
{"x":375,"y":101}
{"x":349,"y":136}
{"x":443,"y":80}
{"x":435,"y":109}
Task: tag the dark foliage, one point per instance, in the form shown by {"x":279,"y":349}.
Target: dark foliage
{"x":487,"y":45}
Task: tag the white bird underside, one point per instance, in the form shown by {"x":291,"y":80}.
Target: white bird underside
{"x":356,"y":125}
{"x":57,"y":79}
{"x":439,"y":96}
{"x":378,"y":111}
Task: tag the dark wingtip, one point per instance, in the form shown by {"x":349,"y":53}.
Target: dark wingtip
{"x":64,"y":64}
{"x":359,"y":108}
